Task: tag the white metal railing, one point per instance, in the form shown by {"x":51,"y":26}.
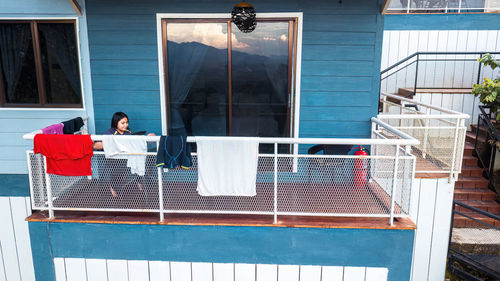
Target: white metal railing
{"x":460,"y":6}
{"x":377,"y":185}
{"x":441,"y":132}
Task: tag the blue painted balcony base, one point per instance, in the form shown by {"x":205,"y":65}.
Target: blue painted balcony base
{"x":14,"y":185}
{"x":390,"y":248}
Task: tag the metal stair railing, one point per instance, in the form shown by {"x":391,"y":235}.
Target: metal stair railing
{"x":471,"y":263}
{"x":486,"y":151}
{"x":434,"y":70}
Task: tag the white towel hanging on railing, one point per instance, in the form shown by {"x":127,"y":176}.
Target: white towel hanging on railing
{"x":123,"y":147}
{"x":227,"y":167}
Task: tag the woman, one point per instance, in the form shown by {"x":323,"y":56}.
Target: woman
{"x":119,"y":126}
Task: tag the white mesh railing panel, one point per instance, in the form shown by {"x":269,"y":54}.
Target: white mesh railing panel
{"x":331,"y":185}
{"x":441,"y":140}
{"x":39,"y":189}
{"x":179,"y":192}
{"x":133,"y":192}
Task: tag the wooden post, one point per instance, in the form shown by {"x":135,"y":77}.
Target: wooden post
{"x":76,"y":7}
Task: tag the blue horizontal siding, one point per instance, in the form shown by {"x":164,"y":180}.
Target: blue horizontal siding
{"x":347,"y":113}
{"x":35,"y":7}
{"x":13,"y":139}
{"x":13,"y":152}
{"x":350,"y":22}
{"x":120,"y":22}
{"x":338,"y":68}
{"x":125,"y":82}
{"x":150,"y":125}
{"x":147,"y":111}
{"x":321,"y":6}
{"x":328,"y":52}
{"x":134,"y":97}
{"x":14,"y":124}
{"x":334,"y":129}
{"x":333,"y":83}
{"x":443,"y":22}
{"x":122,"y":37}
{"x":340,"y":59}
{"x":339,"y":38}
{"x":125,"y":52}
{"x":19,"y":125}
{"x":125,"y":67}
{"x":44,"y":114}
{"x":331,"y":99}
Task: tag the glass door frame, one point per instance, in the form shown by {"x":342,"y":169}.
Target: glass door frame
{"x":293,"y":69}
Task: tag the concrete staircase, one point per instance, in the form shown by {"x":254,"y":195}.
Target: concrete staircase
{"x":472,"y":189}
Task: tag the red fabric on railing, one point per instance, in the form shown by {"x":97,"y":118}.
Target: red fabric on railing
{"x":67,"y":155}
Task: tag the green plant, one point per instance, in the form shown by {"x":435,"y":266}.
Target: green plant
{"x":489,"y":91}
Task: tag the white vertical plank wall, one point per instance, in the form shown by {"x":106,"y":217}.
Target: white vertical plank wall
{"x":72,"y":269}
{"x":399,"y":44}
{"x":158,"y":270}
{"x":244,"y":272}
{"x":15,"y":245}
{"x":431,"y":211}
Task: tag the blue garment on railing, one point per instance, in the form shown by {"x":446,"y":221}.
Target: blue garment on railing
{"x":173,"y":151}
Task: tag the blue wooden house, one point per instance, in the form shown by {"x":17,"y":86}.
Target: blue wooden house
{"x":307,"y":76}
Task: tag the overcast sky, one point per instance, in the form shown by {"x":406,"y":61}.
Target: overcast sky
{"x":268,"y":38}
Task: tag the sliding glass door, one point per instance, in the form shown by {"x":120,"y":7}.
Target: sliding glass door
{"x":222,"y":82}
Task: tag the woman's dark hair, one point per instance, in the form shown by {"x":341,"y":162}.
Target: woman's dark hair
{"x":116,"y":118}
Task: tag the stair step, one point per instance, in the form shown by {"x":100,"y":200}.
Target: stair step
{"x":482,"y":129}
{"x":471,"y":182}
{"x":460,"y":221}
{"x":490,"y":206}
{"x":473,"y":128}
{"x":471,"y":171}
{"x":471,"y":137}
{"x":474,"y":194}
{"x":468,"y":149}
{"x":469,"y":161}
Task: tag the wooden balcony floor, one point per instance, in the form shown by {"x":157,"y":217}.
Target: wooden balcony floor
{"x":314,"y":198}
{"x":427,"y":165}
{"x":222,"y":220}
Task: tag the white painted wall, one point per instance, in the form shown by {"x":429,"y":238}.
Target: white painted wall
{"x":74,"y":269}
{"x":16,"y":261}
{"x":431,"y":205}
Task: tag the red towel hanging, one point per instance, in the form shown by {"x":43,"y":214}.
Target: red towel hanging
{"x":67,"y":155}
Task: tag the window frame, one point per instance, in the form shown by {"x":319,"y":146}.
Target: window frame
{"x":42,"y":97}
{"x":294,"y":77}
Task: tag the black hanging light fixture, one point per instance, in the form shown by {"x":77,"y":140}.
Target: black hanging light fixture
{"x":243,"y":16}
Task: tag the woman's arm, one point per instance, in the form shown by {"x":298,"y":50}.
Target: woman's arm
{"x":98,"y":145}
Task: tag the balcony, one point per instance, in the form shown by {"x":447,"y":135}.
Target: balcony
{"x":288,"y":184}
{"x":408,"y":139}
{"x":440,"y":132}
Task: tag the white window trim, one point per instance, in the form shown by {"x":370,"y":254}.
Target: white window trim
{"x":77,"y":30}
{"x":299,"y":16}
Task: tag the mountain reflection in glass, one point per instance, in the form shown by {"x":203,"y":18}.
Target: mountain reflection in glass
{"x":197,"y":76}
{"x":260,"y":81}
{"x":199,"y":97}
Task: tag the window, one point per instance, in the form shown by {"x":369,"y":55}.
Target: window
{"x":39,"y":65}
{"x":222,"y":82}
